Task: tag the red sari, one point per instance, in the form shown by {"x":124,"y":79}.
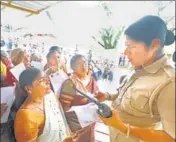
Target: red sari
{"x":9,"y":80}
{"x":85,"y":134}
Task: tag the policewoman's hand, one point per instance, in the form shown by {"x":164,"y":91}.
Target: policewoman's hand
{"x":114,"y":121}
{"x":101,"y":97}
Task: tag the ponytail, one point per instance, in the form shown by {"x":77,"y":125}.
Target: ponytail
{"x":21,"y":96}
{"x":26,"y":79}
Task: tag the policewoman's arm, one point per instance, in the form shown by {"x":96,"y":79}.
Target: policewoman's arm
{"x":101,"y":96}
{"x":166,"y":109}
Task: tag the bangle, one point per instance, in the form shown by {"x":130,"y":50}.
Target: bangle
{"x":128,"y":130}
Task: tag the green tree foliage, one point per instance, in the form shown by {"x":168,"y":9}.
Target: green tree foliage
{"x":109,"y":37}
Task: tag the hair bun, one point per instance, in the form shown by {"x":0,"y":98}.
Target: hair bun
{"x":170,"y":38}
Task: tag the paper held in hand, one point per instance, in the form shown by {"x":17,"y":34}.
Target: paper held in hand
{"x":37,"y":65}
{"x":7,"y":96}
{"x":86,"y":114}
{"x":17,"y":70}
{"x":57,"y":80}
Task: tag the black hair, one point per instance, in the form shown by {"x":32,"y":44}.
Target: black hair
{"x":54,"y":48}
{"x":26,"y":78}
{"x":148,"y":28}
{"x":74,"y":59}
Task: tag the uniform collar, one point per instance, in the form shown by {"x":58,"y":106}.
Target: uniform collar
{"x":155,"y":66}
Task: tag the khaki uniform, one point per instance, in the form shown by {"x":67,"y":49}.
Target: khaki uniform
{"x":147,"y":100}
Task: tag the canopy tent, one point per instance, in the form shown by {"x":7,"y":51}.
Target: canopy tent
{"x":29,"y":7}
{"x":21,"y":10}
{"x":29,"y":17}
{"x":70,"y":18}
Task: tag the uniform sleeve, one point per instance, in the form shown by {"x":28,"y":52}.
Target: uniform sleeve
{"x":166,"y":108}
{"x":26,"y":128}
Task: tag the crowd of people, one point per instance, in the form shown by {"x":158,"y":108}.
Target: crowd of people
{"x":39,"y":113}
{"x":123,"y":61}
{"x":86,"y":74}
{"x":102,"y":68}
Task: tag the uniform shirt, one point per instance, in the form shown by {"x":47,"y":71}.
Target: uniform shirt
{"x":148,"y":98}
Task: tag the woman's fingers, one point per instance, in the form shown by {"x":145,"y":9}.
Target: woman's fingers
{"x":100,"y":96}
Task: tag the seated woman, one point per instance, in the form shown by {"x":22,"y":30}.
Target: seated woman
{"x":53,"y":62}
{"x":39,"y":116}
{"x":85,"y":83}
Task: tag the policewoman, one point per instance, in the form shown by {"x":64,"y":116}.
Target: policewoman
{"x":146,"y":99}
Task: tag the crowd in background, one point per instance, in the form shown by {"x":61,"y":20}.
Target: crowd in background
{"x":102,"y":68}
{"x":52,"y":61}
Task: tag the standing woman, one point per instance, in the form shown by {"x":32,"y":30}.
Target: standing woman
{"x":39,"y":116}
{"x":148,"y":96}
{"x":85,"y":83}
{"x":54,"y":63}
{"x":63,"y":59}
{"x":17,"y":56}
{"x":9,"y":79}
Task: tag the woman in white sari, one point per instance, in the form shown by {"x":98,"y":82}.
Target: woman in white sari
{"x":40,"y":118}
